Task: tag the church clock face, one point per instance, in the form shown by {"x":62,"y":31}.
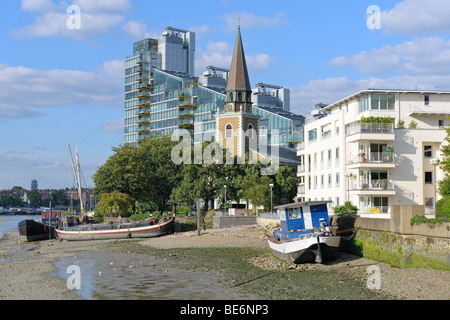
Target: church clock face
{"x":229,"y":107}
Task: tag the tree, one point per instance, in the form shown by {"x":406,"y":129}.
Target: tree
{"x":35,"y":198}
{"x":256,"y":190}
{"x":159,"y":175}
{"x":121,"y":173}
{"x":115,"y":203}
{"x":285,"y":186}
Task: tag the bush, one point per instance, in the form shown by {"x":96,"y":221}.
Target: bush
{"x":140,"y":216}
{"x":443,"y":208}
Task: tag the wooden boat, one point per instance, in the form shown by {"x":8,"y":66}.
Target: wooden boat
{"x":144,"y":229}
{"x":32,"y":230}
{"x":305,"y":234}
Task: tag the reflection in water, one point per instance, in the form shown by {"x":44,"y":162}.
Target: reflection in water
{"x":114,"y":276}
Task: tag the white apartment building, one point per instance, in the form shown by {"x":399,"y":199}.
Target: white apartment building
{"x":346,"y":155}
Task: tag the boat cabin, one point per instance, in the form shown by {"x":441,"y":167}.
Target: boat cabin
{"x":301,"y":218}
{"x":54,"y":217}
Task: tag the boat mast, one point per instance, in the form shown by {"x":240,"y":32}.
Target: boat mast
{"x":77,"y":178}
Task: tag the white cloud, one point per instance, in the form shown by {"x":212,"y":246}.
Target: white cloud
{"x":97,"y":17}
{"x":54,"y":24}
{"x":419,"y":56}
{"x":38,"y":5}
{"x":200,"y":31}
{"x":417,"y":17}
{"x":137,"y":30}
{"x":123,"y":6}
{"x":219,"y":54}
{"x":248,"y":20}
{"x":113,"y":127}
{"x":55,"y":88}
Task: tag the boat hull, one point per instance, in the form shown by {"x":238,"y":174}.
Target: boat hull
{"x":32,"y":230}
{"x":122,"y":232}
{"x":304,"y":250}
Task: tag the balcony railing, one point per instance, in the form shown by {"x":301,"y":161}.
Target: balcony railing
{"x":357,"y":127}
{"x":372,"y":185}
{"x":375,"y":209}
{"x":300,"y":169}
{"x":372,"y":157}
{"x":301,"y":189}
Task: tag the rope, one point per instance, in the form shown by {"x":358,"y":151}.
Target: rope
{"x":351,"y":236}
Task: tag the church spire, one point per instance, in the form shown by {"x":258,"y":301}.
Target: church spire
{"x":238,"y":77}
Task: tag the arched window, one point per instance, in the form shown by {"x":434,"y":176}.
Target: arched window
{"x":240,"y":96}
{"x":229,"y":131}
{"x":250,"y":131}
{"x":231,"y":96}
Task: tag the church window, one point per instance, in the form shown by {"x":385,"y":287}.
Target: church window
{"x":229,"y":131}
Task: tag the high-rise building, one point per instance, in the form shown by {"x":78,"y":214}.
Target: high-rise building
{"x":34,"y":185}
{"x":374,"y":148}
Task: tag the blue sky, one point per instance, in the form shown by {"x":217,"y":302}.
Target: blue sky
{"x":60,"y":86}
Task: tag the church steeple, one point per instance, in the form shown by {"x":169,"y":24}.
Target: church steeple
{"x":238,"y":78}
{"x":238,"y":91}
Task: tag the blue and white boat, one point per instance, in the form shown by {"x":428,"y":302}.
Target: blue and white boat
{"x":305,"y":234}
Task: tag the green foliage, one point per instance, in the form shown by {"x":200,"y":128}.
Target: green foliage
{"x":8,"y":200}
{"x":412,"y":124}
{"x":430,"y":222}
{"x":443,"y":208}
{"x":373,"y":119}
{"x":115,"y":203}
{"x":348,"y":209}
{"x":140,"y":216}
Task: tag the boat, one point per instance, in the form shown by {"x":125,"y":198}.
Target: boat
{"x":142,"y":229}
{"x":305,"y":234}
{"x":32,"y":230}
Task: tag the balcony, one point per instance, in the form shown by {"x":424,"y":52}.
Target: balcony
{"x":300,"y":169}
{"x":301,"y":189}
{"x":372,"y":160}
{"x":369,"y":131}
{"x":429,"y":110}
{"x":372,"y":187}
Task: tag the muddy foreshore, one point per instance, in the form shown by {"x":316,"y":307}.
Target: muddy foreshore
{"x":235,"y":261}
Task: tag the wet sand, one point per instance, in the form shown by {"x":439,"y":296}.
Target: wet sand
{"x":238,"y":254}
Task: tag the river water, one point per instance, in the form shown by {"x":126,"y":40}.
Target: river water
{"x":116,"y":276}
{"x":9,"y":223}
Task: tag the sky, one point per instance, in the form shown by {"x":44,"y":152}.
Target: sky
{"x":62,"y":78}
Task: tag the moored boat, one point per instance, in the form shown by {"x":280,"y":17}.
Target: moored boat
{"x":305,"y":234}
{"x":32,"y":230}
{"x":144,"y":229}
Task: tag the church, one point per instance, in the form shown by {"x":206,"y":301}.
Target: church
{"x":237,"y":126}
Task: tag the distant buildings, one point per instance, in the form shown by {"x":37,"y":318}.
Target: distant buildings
{"x":34,"y":185}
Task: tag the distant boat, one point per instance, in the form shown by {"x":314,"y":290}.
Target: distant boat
{"x":142,"y":229}
{"x":32,"y":230}
{"x":305,"y":234}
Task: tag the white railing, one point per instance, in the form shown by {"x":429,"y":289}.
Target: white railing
{"x":301,"y":189}
{"x":300,"y":169}
{"x":429,"y":109}
{"x":372,"y":157}
{"x":357,"y":127}
{"x":372,"y":185}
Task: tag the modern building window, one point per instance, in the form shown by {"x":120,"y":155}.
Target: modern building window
{"x":312,"y":135}
{"x":380,"y":101}
{"x":338,"y":178}
{"x":426,"y":100}
{"x":441,"y":124}
{"x":428,"y":177}
{"x":427,"y":151}
{"x":429,"y":202}
{"x":364,"y":104}
{"x":229,"y":131}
